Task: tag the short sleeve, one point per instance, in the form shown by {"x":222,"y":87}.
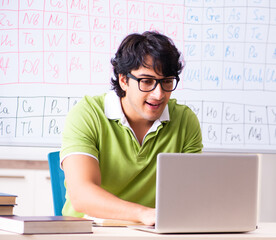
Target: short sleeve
{"x":81,"y":129}
{"x":193,"y":138}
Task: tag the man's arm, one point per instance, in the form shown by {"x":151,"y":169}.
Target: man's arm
{"x":83,"y":179}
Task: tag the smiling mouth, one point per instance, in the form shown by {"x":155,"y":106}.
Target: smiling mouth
{"x":154,"y":104}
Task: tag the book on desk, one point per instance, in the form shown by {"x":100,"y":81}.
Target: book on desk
{"x":6,"y":209}
{"x":45,"y":224}
{"x":7,"y":203}
{"x":7,"y":199}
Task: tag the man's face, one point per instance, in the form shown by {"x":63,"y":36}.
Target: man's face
{"x":143,"y":106}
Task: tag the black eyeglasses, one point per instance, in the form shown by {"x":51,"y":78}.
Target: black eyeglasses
{"x":168,"y":84}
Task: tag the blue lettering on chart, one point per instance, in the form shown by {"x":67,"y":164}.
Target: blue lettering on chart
{"x":252,"y":52}
{"x":210,"y":15}
{"x":233,"y":32}
{"x":258,"y":17}
{"x":208,"y":76}
{"x":191,"y":17}
{"x":191,"y":34}
{"x":211,"y":35}
{"x":210,"y":50}
{"x":250,"y":76}
{"x":271,"y":77}
{"x":229,"y":75}
{"x":229,"y":52}
{"x":190,"y":49}
{"x":234,"y":16}
{"x":256,"y":34}
{"x":192,"y":75}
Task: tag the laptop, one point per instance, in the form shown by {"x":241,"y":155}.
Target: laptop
{"x":206,"y":192}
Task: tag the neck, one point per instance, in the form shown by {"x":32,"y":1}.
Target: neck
{"x":140,"y":129}
{"x":140,"y":126}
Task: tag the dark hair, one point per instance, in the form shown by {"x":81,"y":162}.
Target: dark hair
{"x":133,"y":51}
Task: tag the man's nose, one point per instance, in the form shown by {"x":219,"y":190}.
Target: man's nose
{"x":158,"y":92}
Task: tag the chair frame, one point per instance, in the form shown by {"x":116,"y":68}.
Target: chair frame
{"x":57,"y":182}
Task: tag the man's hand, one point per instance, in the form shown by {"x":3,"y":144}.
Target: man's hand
{"x":147,"y":216}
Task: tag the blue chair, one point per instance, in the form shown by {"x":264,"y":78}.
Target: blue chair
{"x":57,"y":182}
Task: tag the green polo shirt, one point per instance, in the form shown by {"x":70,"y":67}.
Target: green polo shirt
{"x":97,"y":127}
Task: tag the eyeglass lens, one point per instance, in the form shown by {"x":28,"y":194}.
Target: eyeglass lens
{"x":168,"y":84}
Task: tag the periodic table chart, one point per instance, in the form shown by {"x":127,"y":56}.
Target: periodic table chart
{"x":53,"y":52}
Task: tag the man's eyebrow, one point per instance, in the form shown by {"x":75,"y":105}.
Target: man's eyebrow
{"x":146,"y":75}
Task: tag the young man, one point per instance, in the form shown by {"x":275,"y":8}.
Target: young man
{"x":110,"y":142}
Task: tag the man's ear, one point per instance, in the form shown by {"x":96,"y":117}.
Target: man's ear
{"x":123,"y":81}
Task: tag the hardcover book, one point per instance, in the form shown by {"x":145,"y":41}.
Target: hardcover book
{"x":7,"y":199}
{"x":6,"y":209}
{"x":45,"y":224}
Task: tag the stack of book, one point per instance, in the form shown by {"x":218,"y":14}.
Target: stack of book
{"x":7,"y":203}
{"x":45,"y":224}
{"x":38,"y":224}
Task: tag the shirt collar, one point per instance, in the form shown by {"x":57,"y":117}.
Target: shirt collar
{"x":113,"y":109}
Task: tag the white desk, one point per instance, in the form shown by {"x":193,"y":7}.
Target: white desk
{"x":265,"y":231}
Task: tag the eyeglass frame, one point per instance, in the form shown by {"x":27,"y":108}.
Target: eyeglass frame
{"x":129,"y":75}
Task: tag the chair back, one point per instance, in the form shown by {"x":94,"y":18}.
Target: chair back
{"x":57,"y":182}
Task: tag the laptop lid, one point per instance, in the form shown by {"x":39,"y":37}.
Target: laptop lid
{"x":206,"y":192}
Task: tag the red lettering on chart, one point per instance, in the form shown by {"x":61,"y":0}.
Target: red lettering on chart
{"x":97,"y":66}
{"x":79,"y":5}
{"x":133,"y":26}
{"x":152,"y":13}
{"x":28,"y":39}
{"x":5,"y":41}
{"x":154,"y":28}
{"x":30,"y":67}
{"x":97,"y":8}
{"x":116,"y":42}
{"x":117,"y":10}
{"x":75,"y":40}
{"x":7,"y":3}
{"x":57,"y":21}
{"x":4,"y":22}
{"x":57,"y":4}
{"x":172,"y":30}
{"x":171,"y":14}
{"x":135,"y":10}
{"x":76,"y":22}
{"x":4,"y":65}
{"x":54,"y":40}
{"x":97,"y":25}
{"x":75,"y":64}
{"x":31,"y":18}
{"x":30,"y":2}
{"x":53,"y":68}
{"x":98,"y":41}
{"x":117,"y":26}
